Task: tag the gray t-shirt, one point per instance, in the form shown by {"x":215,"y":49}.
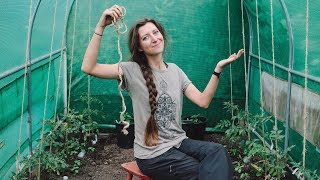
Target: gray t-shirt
{"x":171,"y":84}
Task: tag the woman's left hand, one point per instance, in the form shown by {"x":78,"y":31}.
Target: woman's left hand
{"x":223,"y":63}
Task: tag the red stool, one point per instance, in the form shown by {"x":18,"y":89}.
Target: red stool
{"x":133,"y":170}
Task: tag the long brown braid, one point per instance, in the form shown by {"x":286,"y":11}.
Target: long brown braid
{"x":151,"y":136}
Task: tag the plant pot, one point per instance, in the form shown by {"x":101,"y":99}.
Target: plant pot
{"x":195,"y":130}
{"x":125,"y":141}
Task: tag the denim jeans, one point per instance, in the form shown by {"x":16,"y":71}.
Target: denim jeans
{"x":192,"y":160}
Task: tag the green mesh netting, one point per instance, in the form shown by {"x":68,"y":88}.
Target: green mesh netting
{"x":14,"y":17}
{"x":197,"y":40}
{"x":297,"y":19}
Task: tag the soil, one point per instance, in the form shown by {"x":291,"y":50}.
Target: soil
{"x":104,"y":163}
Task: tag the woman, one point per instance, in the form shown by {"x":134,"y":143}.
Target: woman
{"x":161,"y":148}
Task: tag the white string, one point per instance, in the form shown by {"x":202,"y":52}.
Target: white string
{"x":47,"y":89}
{"x":24,"y":88}
{"x":275,"y":128}
{"x":118,"y":28}
{"x":72,"y":54}
{"x":121,"y":27}
{"x":274,"y":76}
{"x":305,"y":113}
{"x":244,"y":56}
{"x":245,"y":69}
{"x":89,"y":82}
{"x":259,"y":55}
{"x":61,"y":59}
{"x":260,"y":74}
{"x":230,"y":66}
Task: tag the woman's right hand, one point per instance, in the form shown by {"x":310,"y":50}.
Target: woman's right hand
{"x":109,"y":15}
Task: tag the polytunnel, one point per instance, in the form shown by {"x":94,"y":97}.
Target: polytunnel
{"x":43,"y":43}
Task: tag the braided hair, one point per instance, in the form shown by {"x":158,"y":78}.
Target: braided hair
{"x":151,"y":136}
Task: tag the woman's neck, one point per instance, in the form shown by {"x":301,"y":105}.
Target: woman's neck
{"x":156,"y":62}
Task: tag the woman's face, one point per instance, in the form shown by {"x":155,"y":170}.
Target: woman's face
{"x":151,"y":39}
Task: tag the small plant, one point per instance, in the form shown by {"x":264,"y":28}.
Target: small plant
{"x":195,"y":119}
{"x":66,"y":137}
{"x":238,"y":167}
{"x":194,"y":126}
{"x":236,"y":128}
{"x":76,"y":166}
{"x":268,"y":161}
{"x":223,"y":124}
{"x":304,"y":172}
{"x":128,"y":117}
{"x":51,"y":164}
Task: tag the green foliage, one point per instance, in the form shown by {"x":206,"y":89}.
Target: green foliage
{"x":50,"y":163}
{"x":224,"y":124}
{"x":236,"y":128}
{"x":307,"y":173}
{"x":69,"y":134}
{"x":238,"y":167}
{"x":270,"y":162}
{"x":253,"y":148}
{"x":195,"y":119}
{"x":76,"y":166}
{"x":128,"y":117}
{"x":244,"y":176}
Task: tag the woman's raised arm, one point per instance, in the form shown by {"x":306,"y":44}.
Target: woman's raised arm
{"x":89,"y":63}
{"x":203,"y":99}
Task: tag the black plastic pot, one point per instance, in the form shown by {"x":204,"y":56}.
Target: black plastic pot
{"x":125,"y":141}
{"x":195,"y":130}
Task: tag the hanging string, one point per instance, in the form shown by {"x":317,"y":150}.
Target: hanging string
{"x":230,"y":66}
{"x":245,"y":67}
{"x":72,"y":54}
{"x":244,"y":55}
{"x":274,"y":77}
{"x":121,"y":28}
{"x":89,"y":82}
{"x":275,"y":127}
{"x":305,"y":112}
{"x":61,"y":59}
{"x":24,"y":88}
{"x":47,"y":89}
{"x":260,"y":74}
{"x":259,"y":56}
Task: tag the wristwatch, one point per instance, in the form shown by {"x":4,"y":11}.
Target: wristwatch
{"x":216,"y":74}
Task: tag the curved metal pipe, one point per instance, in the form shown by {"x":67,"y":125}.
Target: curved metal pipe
{"x":291,"y":61}
{"x":30,"y":81}
{"x":29,"y":77}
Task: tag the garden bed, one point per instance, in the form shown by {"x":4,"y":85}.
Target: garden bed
{"x":105,"y":162}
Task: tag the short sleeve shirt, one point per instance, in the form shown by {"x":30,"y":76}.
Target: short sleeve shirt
{"x":171,"y":84}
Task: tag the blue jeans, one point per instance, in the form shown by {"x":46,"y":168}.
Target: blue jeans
{"x":192,"y":160}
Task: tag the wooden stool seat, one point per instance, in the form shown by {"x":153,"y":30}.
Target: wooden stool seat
{"x":133,"y":170}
